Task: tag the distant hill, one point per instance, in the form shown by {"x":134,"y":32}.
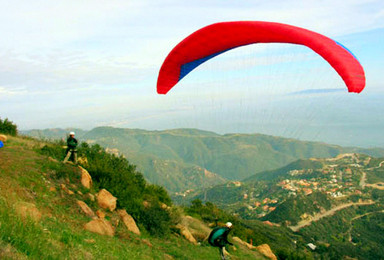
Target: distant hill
{"x":53,"y":133}
{"x":183,"y":159}
{"x":275,"y":174}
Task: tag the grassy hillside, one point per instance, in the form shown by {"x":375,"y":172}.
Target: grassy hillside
{"x":177,"y":158}
{"x":281,"y":172}
{"x":54,"y":227}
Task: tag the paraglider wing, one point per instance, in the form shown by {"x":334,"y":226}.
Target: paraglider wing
{"x":215,"y":39}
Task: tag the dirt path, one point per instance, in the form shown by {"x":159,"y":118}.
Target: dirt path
{"x":357,"y":217}
{"x":330,"y":212}
{"x":363,"y":180}
{"x":380,"y":164}
{"x":378,"y":185}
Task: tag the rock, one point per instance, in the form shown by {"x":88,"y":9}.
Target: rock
{"x":115,"y":219}
{"x":169,"y":257}
{"x":90,"y":196}
{"x":226,"y":252}
{"x":266,"y":250}
{"x":90,"y":241}
{"x":100,"y":226}
{"x":9,"y":252}
{"x":28,"y":210}
{"x":146,"y":204}
{"x":86,"y":179}
{"x":64,"y":188}
{"x":184,"y":231}
{"x":52,"y":159}
{"x":106,"y":200}
{"x":3,"y":138}
{"x":128,"y":221}
{"x":164,"y":206}
{"x":100,"y":213}
{"x":83,"y":161}
{"x":84,"y":207}
{"x":198,"y":229}
{"x":269,"y":223}
{"x":238,"y":240}
{"x":146,"y":241}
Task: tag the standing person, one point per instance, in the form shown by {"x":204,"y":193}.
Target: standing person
{"x":219,"y":238}
{"x":71,"y":148}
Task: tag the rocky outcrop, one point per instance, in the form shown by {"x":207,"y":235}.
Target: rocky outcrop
{"x":147,"y":242}
{"x":269,"y":223}
{"x":100,"y":226}
{"x":3,"y":138}
{"x":239,"y":241}
{"x":184,"y":231}
{"x":27,"y":210}
{"x":83,"y":161}
{"x":84,"y":207}
{"x":66,"y":190}
{"x":86,"y":179}
{"x":90,"y":196}
{"x":106,"y":200}
{"x":128,"y":221}
{"x":100,"y":213}
{"x":197,"y":228}
{"x":263,"y":249}
{"x":266,"y":251}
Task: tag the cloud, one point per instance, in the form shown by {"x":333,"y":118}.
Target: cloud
{"x":5,"y":92}
{"x":316,"y":91}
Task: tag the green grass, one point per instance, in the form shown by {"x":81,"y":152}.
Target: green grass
{"x":27,"y":176}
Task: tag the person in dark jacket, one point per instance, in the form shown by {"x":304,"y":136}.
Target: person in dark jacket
{"x":71,"y":148}
{"x":219,"y":238}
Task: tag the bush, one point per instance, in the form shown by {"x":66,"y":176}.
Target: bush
{"x":7,"y":127}
{"x":156,"y":220}
{"x":121,"y":178}
{"x":54,"y":150}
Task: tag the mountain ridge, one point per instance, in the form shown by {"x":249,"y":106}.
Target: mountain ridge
{"x":171,"y":157}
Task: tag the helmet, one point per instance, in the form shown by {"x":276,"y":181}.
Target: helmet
{"x":228,"y":224}
{"x":71,"y":133}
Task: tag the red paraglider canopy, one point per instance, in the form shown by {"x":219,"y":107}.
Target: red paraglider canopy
{"x":215,"y":39}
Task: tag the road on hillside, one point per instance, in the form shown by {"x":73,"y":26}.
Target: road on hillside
{"x":363,"y":179}
{"x":379,"y":185}
{"x":327,"y":213}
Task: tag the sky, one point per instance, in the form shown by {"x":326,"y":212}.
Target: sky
{"x":93,"y":63}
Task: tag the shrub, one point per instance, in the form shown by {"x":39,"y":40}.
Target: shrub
{"x":54,"y":150}
{"x":156,"y":220}
{"x":8,"y":127}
